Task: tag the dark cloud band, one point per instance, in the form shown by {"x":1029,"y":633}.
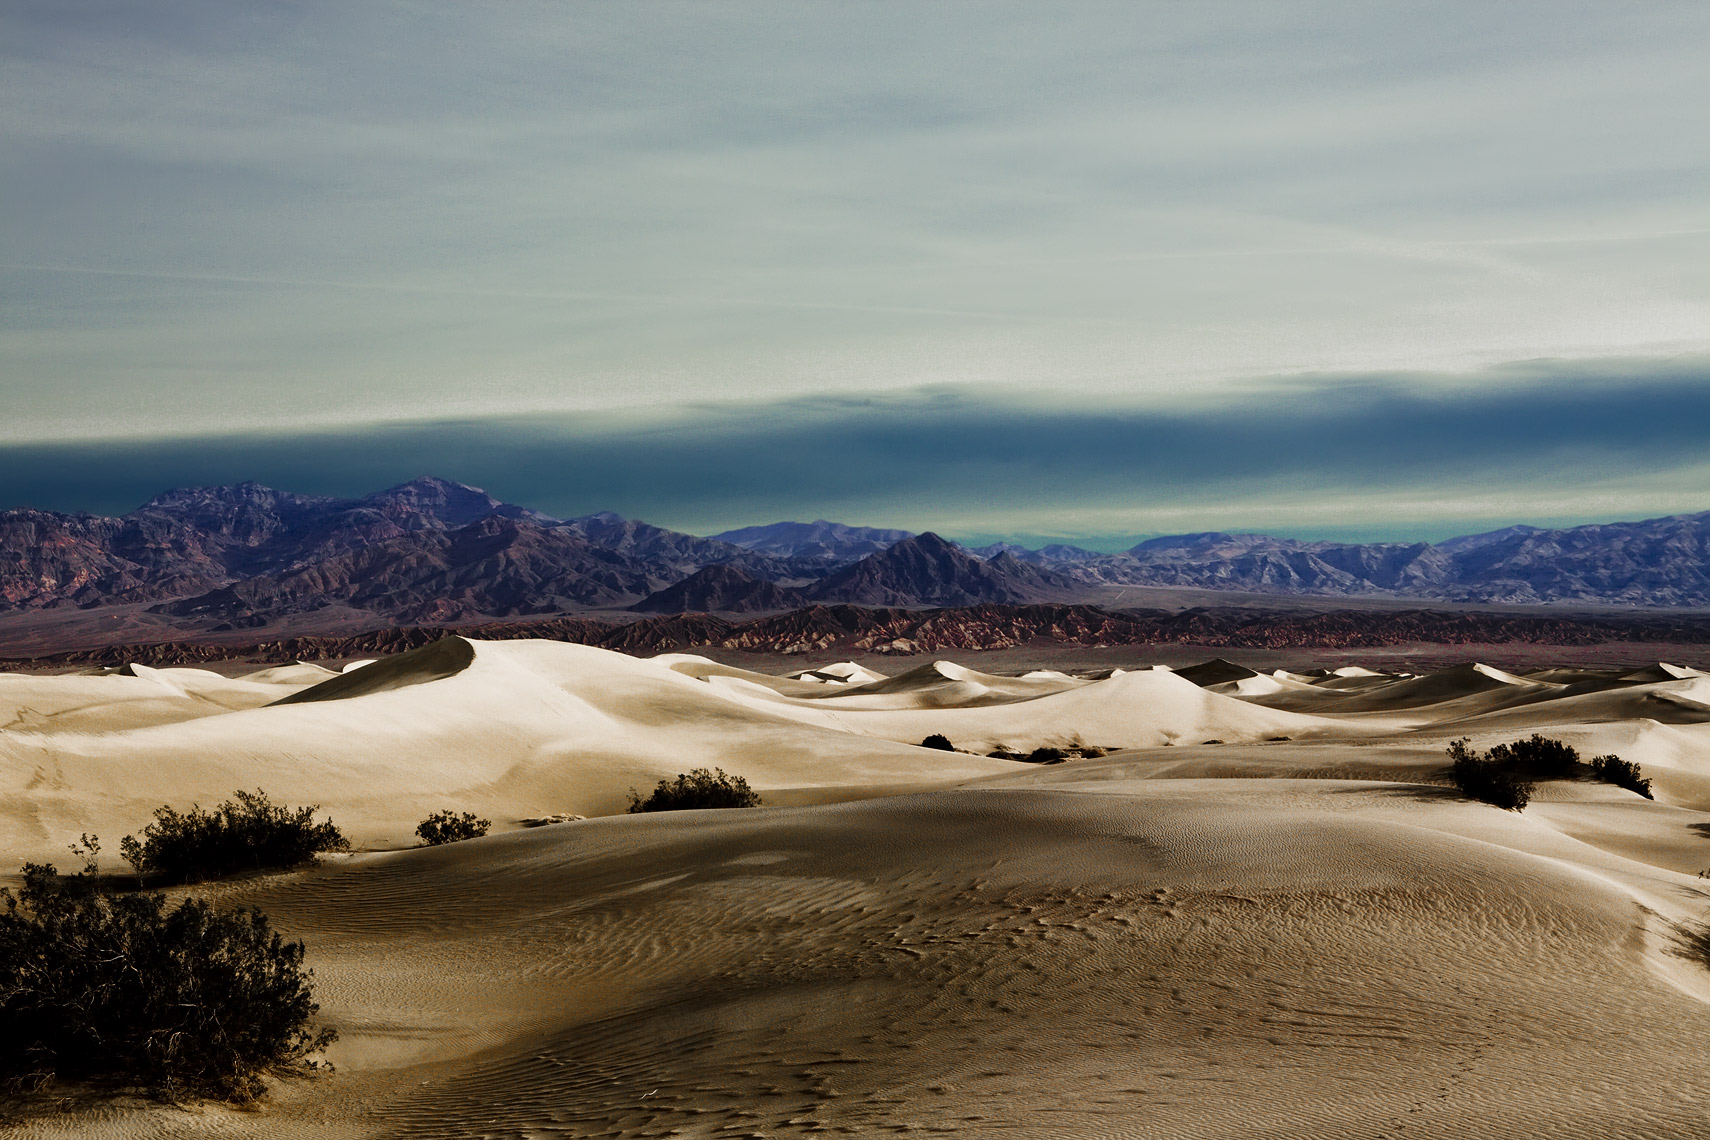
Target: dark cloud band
{"x":989,"y":465}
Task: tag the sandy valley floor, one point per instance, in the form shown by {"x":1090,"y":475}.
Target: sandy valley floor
{"x":1261,"y":915}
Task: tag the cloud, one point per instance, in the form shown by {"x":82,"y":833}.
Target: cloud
{"x":308,"y":214}
{"x":1380,"y":455}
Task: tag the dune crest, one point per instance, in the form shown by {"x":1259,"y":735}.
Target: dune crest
{"x":444,"y":658}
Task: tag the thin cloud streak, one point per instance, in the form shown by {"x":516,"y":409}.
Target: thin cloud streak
{"x":533,"y":294}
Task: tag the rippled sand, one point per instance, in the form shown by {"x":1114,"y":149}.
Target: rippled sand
{"x":1306,"y":936}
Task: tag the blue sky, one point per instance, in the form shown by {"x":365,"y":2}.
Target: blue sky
{"x":735,"y":252}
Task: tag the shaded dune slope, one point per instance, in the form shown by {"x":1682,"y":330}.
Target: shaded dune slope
{"x":1164,"y":958}
{"x":444,"y":658}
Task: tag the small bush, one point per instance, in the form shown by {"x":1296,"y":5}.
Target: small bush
{"x":1539,"y":758}
{"x":1047,"y":754}
{"x":1488,"y":780}
{"x":698,"y":788}
{"x":1612,"y":769}
{"x":1490,"y":783}
{"x":939,"y":742}
{"x":449,"y":827}
{"x":184,"y":1001}
{"x":249,"y":835}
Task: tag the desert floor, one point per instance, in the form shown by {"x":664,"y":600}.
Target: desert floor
{"x":1262,"y":914}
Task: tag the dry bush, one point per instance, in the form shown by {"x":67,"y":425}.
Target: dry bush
{"x":1611,"y":769}
{"x":1538,"y":758}
{"x":250,"y":834}
{"x":698,"y":788}
{"x":1487,"y":779}
{"x":184,"y":1001}
{"x":449,"y":827}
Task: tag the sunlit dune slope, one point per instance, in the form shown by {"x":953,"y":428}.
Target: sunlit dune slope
{"x":511,"y":729}
{"x":133,"y":696}
{"x":531,"y":728}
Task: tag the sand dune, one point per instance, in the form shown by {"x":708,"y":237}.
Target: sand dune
{"x":1140,"y":709}
{"x":1262,"y":685}
{"x":299,"y":673}
{"x":532,"y":729}
{"x":937,"y":675}
{"x":1436,"y":688}
{"x":1216,"y":672}
{"x":944,"y":684}
{"x":507,"y":729}
{"x":445,"y":658}
{"x":1661,"y":671}
{"x":1298,"y":678}
{"x":136,"y":696}
{"x":842,"y":672}
{"x":1677,"y":702}
{"x":1212,"y":932}
{"x":1465,"y":690}
{"x":1044,"y":958}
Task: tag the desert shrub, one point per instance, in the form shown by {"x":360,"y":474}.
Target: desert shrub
{"x":449,"y":827}
{"x":1539,"y":758}
{"x":1488,"y":780}
{"x":698,"y":788}
{"x":246,"y":835}
{"x":1045,"y":756}
{"x":939,"y":741}
{"x":1459,"y":752}
{"x":182,"y":1000}
{"x":1611,"y":769}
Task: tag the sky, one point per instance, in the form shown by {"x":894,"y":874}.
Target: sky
{"x":1071,"y":271}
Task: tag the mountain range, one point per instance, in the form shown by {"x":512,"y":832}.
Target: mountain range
{"x":434,"y":551}
{"x":1656,"y":562}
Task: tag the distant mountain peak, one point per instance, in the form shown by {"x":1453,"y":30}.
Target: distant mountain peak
{"x":1205,"y":540}
{"x":1465,"y":542}
{"x":1049,"y":554}
{"x":606,"y":518}
{"x":817,"y":539}
{"x":429,"y":488}
{"x":929,"y":540}
{"x":248,"y":491}
{"x":929,"y":569}
{"x":719,"y":588}
{"x":430,"y":483}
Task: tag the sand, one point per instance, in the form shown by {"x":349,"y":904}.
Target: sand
{"x":1263,"y":915}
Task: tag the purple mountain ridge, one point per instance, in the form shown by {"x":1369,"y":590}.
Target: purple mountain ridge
{"x":434,"y":550}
